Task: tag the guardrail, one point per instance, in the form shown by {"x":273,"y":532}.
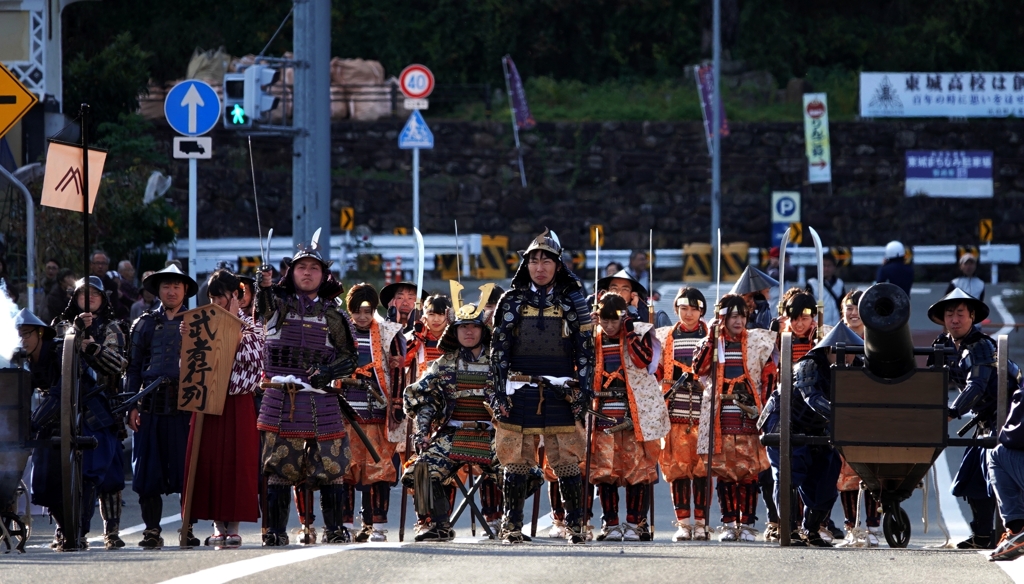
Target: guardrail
{"x":391,"y":247}
{"x":210,"y":253}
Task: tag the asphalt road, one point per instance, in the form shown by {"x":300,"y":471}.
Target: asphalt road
{"x":472,"y":558}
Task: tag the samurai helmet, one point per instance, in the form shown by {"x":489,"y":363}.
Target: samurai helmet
{"x":839,"y":334}
{"x":606,"y":281}
{"x":26,"y":318}
{"x":94,"y":281}
{"x":468,"y":313}
{"x":937,"y":311}
{"x":171,"y":272}
{"x":312,"y":251}
{"x":546,"y":241}
{"x":753,"y":280}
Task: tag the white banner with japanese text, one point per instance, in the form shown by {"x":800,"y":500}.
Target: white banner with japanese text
{"x":940,"y":95}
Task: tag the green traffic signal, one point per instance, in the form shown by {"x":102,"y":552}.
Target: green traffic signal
{"x":238,"y":116}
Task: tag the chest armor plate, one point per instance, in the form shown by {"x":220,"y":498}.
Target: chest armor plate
{"x":296,"y":345}
{"x":164,"y":350}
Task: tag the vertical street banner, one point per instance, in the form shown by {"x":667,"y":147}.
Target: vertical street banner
{"x":524,"y":119}
{"x":63,"y":182}
{"x":819,"y":153}
{"x":705,"y":77}
{"x":949,"y":173}
{"x":207,"y":355}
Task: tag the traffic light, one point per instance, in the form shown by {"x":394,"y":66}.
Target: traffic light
{"x":257,"y":102}
{"x":235,"y":115}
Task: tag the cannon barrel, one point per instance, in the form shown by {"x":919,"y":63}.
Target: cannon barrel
{"x":888,"y":346}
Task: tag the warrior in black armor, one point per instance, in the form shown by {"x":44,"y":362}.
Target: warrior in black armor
{"x":161,"y":431}
{"x":973,"y":370}
{"x":815,"y":468}
{"x":542,"y":360}
{"x":100,"y":339}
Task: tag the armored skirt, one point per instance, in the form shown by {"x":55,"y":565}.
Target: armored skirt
{"x":362,"y":469}
{"x":679,"y":459}
{"x":620,"y":459}
{"x":227,"y":472}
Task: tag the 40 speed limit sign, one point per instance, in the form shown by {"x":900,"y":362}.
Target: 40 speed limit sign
{"x":416,"y":82}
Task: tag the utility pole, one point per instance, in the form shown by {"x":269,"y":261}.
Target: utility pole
{"x":716,"y":136}
{"x":311,"y":165}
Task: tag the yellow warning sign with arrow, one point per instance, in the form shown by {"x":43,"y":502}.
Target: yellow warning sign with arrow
{"x":15,"y":100}
{"x":985,"y":230}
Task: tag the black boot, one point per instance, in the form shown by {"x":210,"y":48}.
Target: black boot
{"x":812,"y":523}
{"x":440,"y":527}
{"x":515,"y":497}
{"x":110,"y":513}
{"x":152,"y":507}
{"x":333,"y":499}
{"x":572,"y":500}
{"x":278,"y":499}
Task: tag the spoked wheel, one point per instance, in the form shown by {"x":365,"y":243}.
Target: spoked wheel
{"x":14,"y":533}
{"x":896,"y":527}
{"x":70,"y":451}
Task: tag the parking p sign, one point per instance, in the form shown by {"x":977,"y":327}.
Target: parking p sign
{"x":785,"y":210}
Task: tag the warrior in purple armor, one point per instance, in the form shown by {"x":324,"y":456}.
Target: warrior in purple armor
{"x":309,"y":344}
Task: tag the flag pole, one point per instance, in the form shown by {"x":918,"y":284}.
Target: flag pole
{"x":515,"y":126}
{"x":84,"y":113}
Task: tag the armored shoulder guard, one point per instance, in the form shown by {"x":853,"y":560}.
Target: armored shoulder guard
{"x":805,"y":375}
{"x":145,"y":316}
{"x":981,"y":352}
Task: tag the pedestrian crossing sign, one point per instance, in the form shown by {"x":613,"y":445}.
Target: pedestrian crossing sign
{"x":415,"y":134}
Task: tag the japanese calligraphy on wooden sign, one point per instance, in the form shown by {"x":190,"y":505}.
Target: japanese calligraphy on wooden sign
{"x":207,"y":355}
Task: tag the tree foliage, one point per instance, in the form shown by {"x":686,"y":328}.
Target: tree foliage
{"x":792,"y":37}
{"x":585,"y":40}
{"x":110,"y":81}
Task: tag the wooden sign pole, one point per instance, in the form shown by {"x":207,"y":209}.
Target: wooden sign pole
{"x":190,"y":483}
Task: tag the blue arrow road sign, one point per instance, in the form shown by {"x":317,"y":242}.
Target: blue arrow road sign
{"x":415,"y":134}
{"x":192,"y":108}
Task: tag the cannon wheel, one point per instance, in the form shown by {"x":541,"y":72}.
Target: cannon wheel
{"x":70,"y":453}
{"x":896,"y":527}
{"x":17,"y":531}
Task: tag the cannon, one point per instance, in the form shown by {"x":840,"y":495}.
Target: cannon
{"x":889,"y":416}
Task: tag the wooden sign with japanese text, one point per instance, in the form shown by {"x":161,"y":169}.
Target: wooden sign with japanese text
{"x":207,"y":354}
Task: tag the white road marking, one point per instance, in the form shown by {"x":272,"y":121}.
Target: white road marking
{"x":920,"y":290}
{"x":1013,"y":568}
{"x":140,"y":527}
{"x":997,"y":303}
{"x":543,"y":524}
{"x":241,"y":569}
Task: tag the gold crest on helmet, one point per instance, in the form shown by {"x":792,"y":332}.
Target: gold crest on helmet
{"x":468,"y":311}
